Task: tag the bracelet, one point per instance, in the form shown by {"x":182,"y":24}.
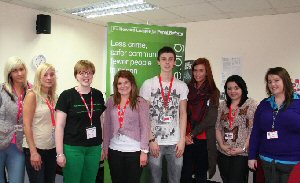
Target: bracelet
{"x":144,"y":151}
{"x":152,"y":140}
{"x":59,"y":155}
{"x":192,"y":136}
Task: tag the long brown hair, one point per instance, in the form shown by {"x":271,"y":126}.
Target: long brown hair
{"x":215,"y":95}
{"x":287,"y":83}
{"x":133,"y":97}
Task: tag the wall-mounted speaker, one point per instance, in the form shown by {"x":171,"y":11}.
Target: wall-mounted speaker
{"x":43,"y":24}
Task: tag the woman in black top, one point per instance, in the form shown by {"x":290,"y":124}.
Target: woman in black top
{"x":78,"y":130}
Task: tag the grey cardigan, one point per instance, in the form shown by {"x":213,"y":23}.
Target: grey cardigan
{"x":8,"y":120}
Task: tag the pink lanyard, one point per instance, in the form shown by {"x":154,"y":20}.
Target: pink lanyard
{"x":51,"y":108}
{"x":122,"y":112}
{"x":166,"y":100}
{"x":20,"y":105}
{"x":90,"y":112}
{"x":231,"y":117}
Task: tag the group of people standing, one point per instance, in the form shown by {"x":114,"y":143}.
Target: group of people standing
{"x":40,"y":130}
{"x":184,"y":123}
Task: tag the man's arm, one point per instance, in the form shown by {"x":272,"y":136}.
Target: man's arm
{"x":182,"y":125}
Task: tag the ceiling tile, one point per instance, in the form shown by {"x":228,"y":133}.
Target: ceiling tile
{"x":252,"y":13}
{"x":172,"y":3}
{"x":169,"y":21}
{"x":194,"y":10}
{"x":210,"y":17}
{"x":289,"y":10}
{"x":241,"y":5}
{"x":153,"y":14}
{"x":284,"y":3}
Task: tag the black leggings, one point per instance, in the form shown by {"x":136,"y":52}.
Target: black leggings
{"x":48,"y":170}
{"x":233,"y":169}
{"x":124,"y":166}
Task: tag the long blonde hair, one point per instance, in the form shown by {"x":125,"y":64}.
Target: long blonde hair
{"x":37,"y":86}
{"x":12,"y":64}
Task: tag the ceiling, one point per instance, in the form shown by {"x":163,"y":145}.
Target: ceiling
{"x":172,"y":11}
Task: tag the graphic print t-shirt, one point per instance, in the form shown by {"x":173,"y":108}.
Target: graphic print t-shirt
{"x":78,"y":119}
{"x":166,"y":132}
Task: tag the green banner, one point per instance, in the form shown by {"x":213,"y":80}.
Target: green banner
{"x":134,"y":47}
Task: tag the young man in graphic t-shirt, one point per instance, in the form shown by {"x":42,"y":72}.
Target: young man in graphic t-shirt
{"x":168,"y":100}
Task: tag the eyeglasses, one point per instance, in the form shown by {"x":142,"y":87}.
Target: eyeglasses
{"x":85,"y":73}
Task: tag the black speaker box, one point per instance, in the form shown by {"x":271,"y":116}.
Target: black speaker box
{"x":43,"y":24}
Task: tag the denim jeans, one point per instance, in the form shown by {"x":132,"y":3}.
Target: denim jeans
{"x":48,"y":169}
{"x":276,"y":172}
{"x":13,"y":159}
{"x":174,"y":164}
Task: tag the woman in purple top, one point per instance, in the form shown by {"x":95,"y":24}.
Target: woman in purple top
{"x":276,"y":131}
{"x":126,"y":130}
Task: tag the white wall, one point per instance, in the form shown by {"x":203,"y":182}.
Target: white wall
{"x":261,"y":42}
{"x":69,"y":41}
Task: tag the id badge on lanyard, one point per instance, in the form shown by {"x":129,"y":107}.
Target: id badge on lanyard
{"x":228,"y":136}
{"x":91,"y":132}
{"x":19,"y":127}
{"x":272,"y":135}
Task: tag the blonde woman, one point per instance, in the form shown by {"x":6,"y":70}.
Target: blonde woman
{"x":39,"y":126}
{"x":12,"y":93}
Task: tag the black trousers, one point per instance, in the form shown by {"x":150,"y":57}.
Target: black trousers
{"x":48,"y":170}
{"x":233,"y":169}
{"x":124,"y":166}
{"x":276,"y":172}
{"x":195,"y":161}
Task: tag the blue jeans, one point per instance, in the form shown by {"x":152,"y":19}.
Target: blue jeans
{"x":13,"y":159}
{"x":174,"y":164}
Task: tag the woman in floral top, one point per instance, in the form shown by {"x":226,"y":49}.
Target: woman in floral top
{"x":233,"y":129}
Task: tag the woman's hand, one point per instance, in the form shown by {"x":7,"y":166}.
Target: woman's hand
{"x":154,"y":149}
{"x":143,"y":159}
{"x":236,"y":151}
{"x":36,"y":161}
{"x":61,"y":160}
{"x":188,"y":139}
{"x":104,"y":155}
{"x":252,"y":164}
{"x":226,"y":148}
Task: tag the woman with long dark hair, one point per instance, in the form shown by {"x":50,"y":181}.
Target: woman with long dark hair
{"x":126,"y":130}
{"x":202,"y":109}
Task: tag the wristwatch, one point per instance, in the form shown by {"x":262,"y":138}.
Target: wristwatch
{"x":244,"y":149}
{"x":152,"y":140}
